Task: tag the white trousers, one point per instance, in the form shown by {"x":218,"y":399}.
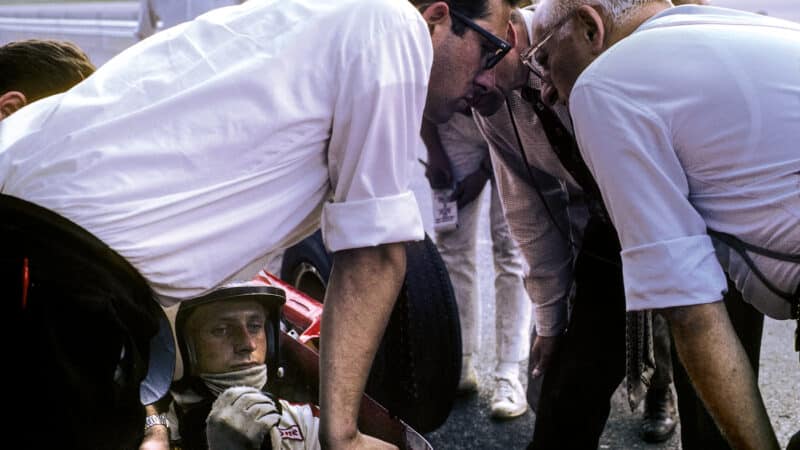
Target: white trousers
{"x":512,"y":304}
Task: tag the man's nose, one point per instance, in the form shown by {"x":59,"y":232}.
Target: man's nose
{"x":244,"y":341}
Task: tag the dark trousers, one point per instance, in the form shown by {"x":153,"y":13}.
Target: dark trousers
{"x":576,"y":390}
{"x":79,"y":334}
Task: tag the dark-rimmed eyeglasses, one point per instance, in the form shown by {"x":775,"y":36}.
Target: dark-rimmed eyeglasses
{"x":502,"y":47}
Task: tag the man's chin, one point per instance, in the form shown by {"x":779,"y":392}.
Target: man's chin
{"x":488,"y":104}
{"x":438,"y":115}
{"x":443,"y":114}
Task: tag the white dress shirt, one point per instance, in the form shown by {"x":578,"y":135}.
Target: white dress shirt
{"x":691,"y":122}
{"x":197,"y":151}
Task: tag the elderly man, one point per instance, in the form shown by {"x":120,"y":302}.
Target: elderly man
{"x":581,"y":356}
{"x":539,"y":213}
{"x":196,"y":152}
{"x":698,"y":167}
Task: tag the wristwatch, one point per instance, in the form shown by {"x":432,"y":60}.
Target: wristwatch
{"x":155,"y":419}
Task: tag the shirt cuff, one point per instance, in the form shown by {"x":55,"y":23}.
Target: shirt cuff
{"x":371,"y":222}
{"x":678,"y":272}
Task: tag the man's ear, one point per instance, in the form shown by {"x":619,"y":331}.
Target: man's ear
{"x":10,"y":102}
{"x":592,"y":27}
{"x":511,"y":35}
{"x":436,"y":14}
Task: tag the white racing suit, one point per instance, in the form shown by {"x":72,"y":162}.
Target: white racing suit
{"x":298,"y":428}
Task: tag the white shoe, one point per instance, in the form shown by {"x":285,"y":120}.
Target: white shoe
{"x":469,"y":377}
{"x":508,"y":400}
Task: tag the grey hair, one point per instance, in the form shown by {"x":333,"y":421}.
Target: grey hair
{"x":551,"y":12}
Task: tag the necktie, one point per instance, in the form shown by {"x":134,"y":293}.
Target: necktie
{"x":566,"y":149}
{"x":640,"y":361}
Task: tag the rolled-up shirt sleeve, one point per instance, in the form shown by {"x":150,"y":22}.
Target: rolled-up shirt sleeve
{"x":375,"y":139}
{"x":668,"y":259}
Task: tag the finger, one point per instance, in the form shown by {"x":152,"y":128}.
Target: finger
{"x":233,"y":396}
{"x":543,"y":363}
{"x":536,"y":356}
{"x":539,"y":368}
{"x":251,"y":399}
{"x":259,"y":405}
{"x":270,"y":418}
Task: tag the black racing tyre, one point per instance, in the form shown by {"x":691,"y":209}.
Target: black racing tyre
{"x":416,"y":370}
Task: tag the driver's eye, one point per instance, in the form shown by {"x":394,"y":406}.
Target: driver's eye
{"x":219,"y":331}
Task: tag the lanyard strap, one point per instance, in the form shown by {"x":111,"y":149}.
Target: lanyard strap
{"x":741,"y":247}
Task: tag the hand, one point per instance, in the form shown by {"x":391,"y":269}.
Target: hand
{"x":542,"y":352}
{"x":437,"y":171}
{"x":240,"y":418}
{"x":470,"y":187}
{"x":155,"y":438}
{"x":359,"y":442}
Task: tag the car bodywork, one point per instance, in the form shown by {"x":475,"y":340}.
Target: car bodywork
{"x":302,"y":317}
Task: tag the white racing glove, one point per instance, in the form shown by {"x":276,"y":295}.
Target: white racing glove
{"x":240,"y":418}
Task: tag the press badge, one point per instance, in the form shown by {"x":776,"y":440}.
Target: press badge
{"x":445,"y":210}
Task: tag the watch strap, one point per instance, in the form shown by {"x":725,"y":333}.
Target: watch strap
{"x":156,"y":419}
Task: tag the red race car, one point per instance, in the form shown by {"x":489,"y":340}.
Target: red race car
{"x":299,"y":372}
{"x":417,"y":367}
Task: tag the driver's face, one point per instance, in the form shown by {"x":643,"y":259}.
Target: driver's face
{"x":228,"y":336}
